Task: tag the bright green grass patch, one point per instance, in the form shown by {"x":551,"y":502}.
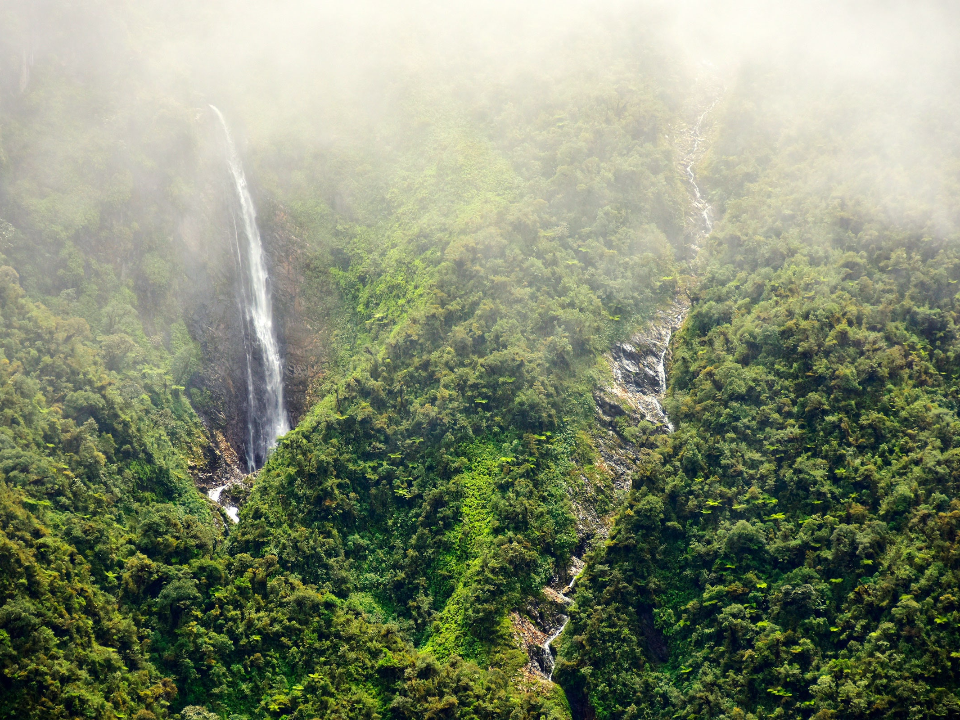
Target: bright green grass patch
{"x":452,"y":636}
{"x":475,"y":529}
{"x":477,"y":485}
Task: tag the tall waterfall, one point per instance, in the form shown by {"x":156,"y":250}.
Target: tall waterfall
{"x":266,"y":415}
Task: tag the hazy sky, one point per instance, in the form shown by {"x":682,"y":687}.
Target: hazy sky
{"x":284,"y":62}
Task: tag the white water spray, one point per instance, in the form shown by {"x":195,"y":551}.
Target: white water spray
{"x":640,"y":372}
{"x":564,"y":597}
{"x":266,"y":414}
{"x":548,"y":653}
{"x":233,"y":512}
{"x":662,"y":375}
{"x":701,"y":205}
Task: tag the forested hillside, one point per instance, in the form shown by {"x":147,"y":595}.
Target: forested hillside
{"x":432,"y":473}
{"x":472,"y":220}
{"x":468,"y":284}
{"x":793,"y":543}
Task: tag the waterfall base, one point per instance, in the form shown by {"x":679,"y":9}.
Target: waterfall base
{"x":221,"y":478}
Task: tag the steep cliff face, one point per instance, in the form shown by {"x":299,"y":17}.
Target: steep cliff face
{"x":638,"y":372}
{"x":639,"y":369}
{"x":210,"y":238}
{"x":629,"y":408}
{"x":304,"y":338}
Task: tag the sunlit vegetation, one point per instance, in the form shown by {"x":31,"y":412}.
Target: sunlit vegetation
{"x":479,"y":270}
{"x":431,"y":474}
{"x":791,"y":550}
{"x":467,"y":236}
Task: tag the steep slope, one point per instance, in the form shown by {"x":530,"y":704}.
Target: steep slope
{"x":466,"y":276}
{"x":433,"y":474}
{"x":794,"y":539}
{"x":87,"y":455}
{"x":754,"y":509}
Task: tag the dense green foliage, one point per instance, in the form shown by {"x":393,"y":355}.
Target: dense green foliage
{"x":118,"y":594}
{"x":467,"y":240}
{"x":792,"y":549}
{"x":432,"y":473}
{"x":479,"y":271}
{"x":116,"y":598}
{"x":88,"y":466}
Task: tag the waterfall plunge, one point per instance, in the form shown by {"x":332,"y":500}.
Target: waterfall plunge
{"x":266,"y":415}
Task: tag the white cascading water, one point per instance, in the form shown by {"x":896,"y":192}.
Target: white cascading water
{"x":548,"y":653}
{"x":702,"y":206}
{"x":643,"y":396}
{"x":662,"y":374}
{"x":266,"y":415}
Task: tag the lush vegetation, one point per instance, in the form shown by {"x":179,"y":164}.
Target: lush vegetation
{"x":791,"y":550}
{"x":94,"y":468}
{"x":117,"y":597}
{"x":472,"y":280}
{"x":467,"y":247}
{"x":432,"y":473}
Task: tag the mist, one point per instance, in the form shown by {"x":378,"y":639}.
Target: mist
{"x":570,"y":359}
{"x":294,"y":57}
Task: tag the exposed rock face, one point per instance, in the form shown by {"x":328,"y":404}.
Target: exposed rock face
{"x":640,"y":368}
{"x":541,"y":623}
{"x":213,"y":307}
{"x":221,"y":465}
{"x":639,"y":371}
{"x":529,"y":633}
{"x":303,"y":347}
{"x":220,"y":477}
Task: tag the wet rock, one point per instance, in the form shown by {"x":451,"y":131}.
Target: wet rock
{"x":220,"y":465}
{"x":639,"y":369}
{"x":212,"y":297}
{"x":537,"y":628}
{"x":220,"y":477}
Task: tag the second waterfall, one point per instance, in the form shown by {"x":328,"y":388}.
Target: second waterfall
{"x":266,"y":414}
